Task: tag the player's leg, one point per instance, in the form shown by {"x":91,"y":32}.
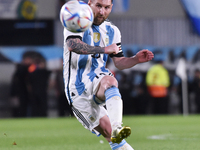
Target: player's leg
{"x":108,"y":91}
{"x":105,"y":129}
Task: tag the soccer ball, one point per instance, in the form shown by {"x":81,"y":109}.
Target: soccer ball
{"x":76,"y":16}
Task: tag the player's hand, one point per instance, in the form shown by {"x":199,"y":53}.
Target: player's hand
{"x":144,"y":56}
{"x":112,"y":49}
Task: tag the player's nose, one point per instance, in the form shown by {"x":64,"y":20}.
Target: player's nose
{"x":102,"y":11}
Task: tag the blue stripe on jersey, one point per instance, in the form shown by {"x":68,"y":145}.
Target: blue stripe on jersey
{"x":105,"y":57}
{"x":87,"y":37}
{"x":80,"y":86}
{"x":96,"y":30}
{"x":110,"y":34}
{"x":92,"y":74}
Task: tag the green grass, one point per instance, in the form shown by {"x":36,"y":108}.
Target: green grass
{"x":148,"y":133}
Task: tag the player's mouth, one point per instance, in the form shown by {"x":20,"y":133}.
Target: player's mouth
{"x":100,"y":17}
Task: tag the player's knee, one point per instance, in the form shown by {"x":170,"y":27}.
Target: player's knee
{"x":109,"y":81}
{"x":106,"y":83}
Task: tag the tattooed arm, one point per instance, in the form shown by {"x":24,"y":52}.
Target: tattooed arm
{"x":79,"y":47}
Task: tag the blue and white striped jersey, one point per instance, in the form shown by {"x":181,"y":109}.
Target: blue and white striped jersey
{"x":79,"y":69}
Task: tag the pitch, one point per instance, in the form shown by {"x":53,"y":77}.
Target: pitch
{"x":148,"y":133}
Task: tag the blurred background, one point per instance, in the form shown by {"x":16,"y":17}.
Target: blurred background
{"x":31,"y":47}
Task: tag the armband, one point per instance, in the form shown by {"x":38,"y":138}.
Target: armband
{"x":120,"y":53}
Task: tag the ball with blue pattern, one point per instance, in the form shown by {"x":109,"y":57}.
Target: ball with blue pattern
{"x":76,"y":16}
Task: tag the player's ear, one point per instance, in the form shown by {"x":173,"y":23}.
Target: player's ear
{"x":89,"y":2}
{"x":111,"y":6}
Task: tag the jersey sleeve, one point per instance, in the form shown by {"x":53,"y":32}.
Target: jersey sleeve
{"x":68,"y":34}
{"x":117,"y":40}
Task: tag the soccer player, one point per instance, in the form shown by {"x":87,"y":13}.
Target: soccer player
{"x":89,"y":85}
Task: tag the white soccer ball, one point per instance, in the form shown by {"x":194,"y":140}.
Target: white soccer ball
{"x":76,"y":16}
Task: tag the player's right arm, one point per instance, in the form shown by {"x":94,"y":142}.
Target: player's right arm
{"x":79,"y":47}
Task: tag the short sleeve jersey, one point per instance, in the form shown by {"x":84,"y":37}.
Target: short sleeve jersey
{"x":80,"y":69}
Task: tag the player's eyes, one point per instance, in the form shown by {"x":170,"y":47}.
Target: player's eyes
{"x":99,"y":6}
{"x":107,"y":7}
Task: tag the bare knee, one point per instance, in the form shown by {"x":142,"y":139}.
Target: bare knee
{"x":105,"y":83}
{"x":108,"y":81}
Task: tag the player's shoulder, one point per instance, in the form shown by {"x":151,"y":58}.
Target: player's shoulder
{"x":110,"y":23}
{"x":107,"y":22}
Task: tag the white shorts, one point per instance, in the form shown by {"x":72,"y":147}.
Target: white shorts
{"x":86,"y":109}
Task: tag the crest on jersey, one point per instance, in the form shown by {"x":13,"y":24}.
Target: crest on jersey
{"x":96,"y":37}
{"x":107,"y":40}
{"x":92,"y":118}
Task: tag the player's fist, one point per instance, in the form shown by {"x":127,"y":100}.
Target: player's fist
{"x":112,"y":49}
{"x":144,"y":56}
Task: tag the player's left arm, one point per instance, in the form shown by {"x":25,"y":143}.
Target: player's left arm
{"x":128,"y":62}
{"x":122,"y":62}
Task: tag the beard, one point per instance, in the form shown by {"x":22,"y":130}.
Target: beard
{"x":99,"y":20}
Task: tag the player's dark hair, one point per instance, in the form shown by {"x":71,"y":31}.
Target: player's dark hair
{"x":112,"y":1}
